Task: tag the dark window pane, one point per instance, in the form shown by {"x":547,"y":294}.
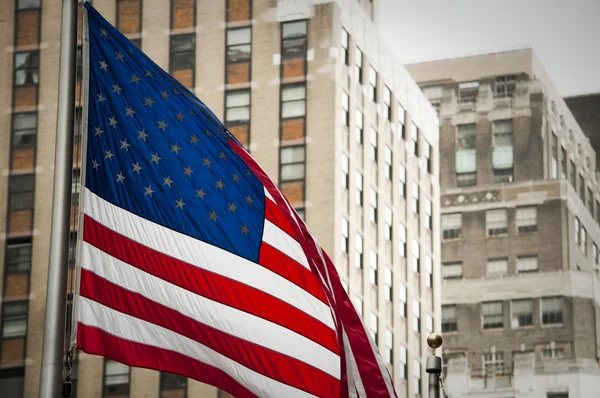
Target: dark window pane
{"x":240,"y":53}
{"x":294,"y":29}
{"x":170,"y":381}
{"x":24,"y":4}
{"x":182,"y":43}
{"x":182,"y":61}
{"x":21,"y":183}
{"x":18,"y":258}
{"x":294,"y":47}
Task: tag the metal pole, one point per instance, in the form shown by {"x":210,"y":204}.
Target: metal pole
{"x":56,"y":294}
{"x":434,"y":368}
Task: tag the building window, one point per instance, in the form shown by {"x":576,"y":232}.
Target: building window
{"x":372,"y":84}
{"x":466,"y":156}
{"x":345,"y":109}
{"x":373,"y":142}
{"x":504,"y":86}
{"x":359,"y":127}
{"x":116,"y":379}
{"x":373,"y":207}
{"x":595,"y":255}
{"x":577,"y":230}
{"x":388,"y":353}
{"x":554,"y":161}
{"x":416,"y":256}
{"x":582,"y":188}
{"x":449,"y":319}
{"x":403,"y":300}
{"x":14,"y":320}
{"x":417,"y":376}
{"x":24,"y":130}
{"x":452,"y":270}
{"x":553,"y":352}
{"x":497,"y":267}
{"x":451,"y":226}
{"x":292,"y":161}
{"x":388,"y":223}
{"x":389,"y":290}
{"x":373,"y":270}
{"x":552,"y":310}
{"x":345,"y":44}
{"x":402,"y":243}
{"x":358,"y":258}
{"x":429,"y":214}
{"x":359,"y":305}
{"x":293,"y":101}
{"x":345,"y":171}
{"x":172,"y":385}
{"x":358,"y":62}
{"x":359,"y":189}
{"x":573,"y":175}
{"x":387,"y":104}
{"x":558,"y":394}
{"x":496,"y":222}
{"x":27,"y":4}
{"x":401,"y":121}
{"x":522,"y":313}
{"x":493,"y":315}
{"x":416,"y":316}
{"x":415,"y":195}
{"x":598,"y":211}
{"x":21,"y":192}
{"x":295,"y":39}
{"x":583,"y":240}
{"x":414,"y":139}
{"x":526,"y":219}
{"x":502,"y":154}
{"x":345,"y":241}
{"x":527,"y":264}
{"x":428,"y":324}
{"x":590,"y":201}
{"x":403,"y":362}
{"x":402,"y":178}
{"x":27,"y":68}
{"x":427,"y":154}
{"x":374,"y":328}
{"x":239,"y":55}
{"x":563,"y":162}
{"x":237,"y":106}
{"x":182,"y":58}
{"x":429,"y":272}
{"x":18,"y":258}
{"x":388,"y":159}
{"x":493,"y":363}
{"x":467,"y":92}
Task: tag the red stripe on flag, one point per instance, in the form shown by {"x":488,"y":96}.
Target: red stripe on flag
{"x":267,"y":362}
{"x":291,"y":270}
{"x":208,"y":284}
{"x":273,"y":213}
{"x":95,"y":341}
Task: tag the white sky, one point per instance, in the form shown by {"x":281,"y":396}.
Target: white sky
{"x":565,"y":34}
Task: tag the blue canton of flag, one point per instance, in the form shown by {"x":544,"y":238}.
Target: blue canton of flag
{"x":157,"y":151}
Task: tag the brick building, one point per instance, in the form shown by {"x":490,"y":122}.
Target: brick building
{"x":317,"y":98}
{"x":520,"y":204}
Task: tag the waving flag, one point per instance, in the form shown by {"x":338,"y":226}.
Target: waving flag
{"x":192,"y":261}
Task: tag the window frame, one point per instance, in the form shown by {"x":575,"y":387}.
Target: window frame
{"x":303,"y":48}
{"x":488,"y":325}
{"x":292,"y":163}
{"x":246,"y":106}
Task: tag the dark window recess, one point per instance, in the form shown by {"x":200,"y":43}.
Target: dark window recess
{"x":294,"y":39}
{"x":182,"y":52}
{"x":21,"y":192}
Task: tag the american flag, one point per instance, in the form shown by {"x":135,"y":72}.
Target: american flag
{"x":192,"y":261}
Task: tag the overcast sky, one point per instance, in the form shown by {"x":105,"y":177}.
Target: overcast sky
{"x":565,"y":34}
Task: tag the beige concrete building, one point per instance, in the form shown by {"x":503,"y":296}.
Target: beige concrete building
{"x":314,"y":94}
{"x":520,"y":206}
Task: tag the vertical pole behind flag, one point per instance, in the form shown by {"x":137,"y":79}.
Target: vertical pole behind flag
{"x":56,"y":294}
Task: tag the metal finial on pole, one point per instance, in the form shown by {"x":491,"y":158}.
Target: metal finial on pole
{"x":56,"y":294}
{"x":434,"y":365}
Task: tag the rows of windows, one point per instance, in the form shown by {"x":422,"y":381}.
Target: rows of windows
{"x":495,"y":267}
{"x":293,"y":100}
{"x":496,"y":223}
{"x":502,"y":87}
{"x":521,"y":314}
{"x":238,"y":69}
{"x":466,"y":153}
{"x":14,"y":310}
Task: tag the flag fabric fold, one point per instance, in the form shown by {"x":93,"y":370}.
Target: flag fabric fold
{"x":192,"y":261}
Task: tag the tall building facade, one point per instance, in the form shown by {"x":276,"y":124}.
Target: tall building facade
{"x":315,"y":96}
{"x":520,"y":204}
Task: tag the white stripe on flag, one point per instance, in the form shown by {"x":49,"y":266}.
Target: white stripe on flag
{"x":136,"y":330}
{"x":203,"y":255}
{"x":219,"y":316}
{"x":354,"y":379}
{"x":269,"y":196}
{"x":279,"y":239}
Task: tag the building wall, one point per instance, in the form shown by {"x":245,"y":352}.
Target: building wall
{"x":586,"y":110}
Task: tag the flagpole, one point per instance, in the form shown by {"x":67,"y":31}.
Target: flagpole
{"x":56,"y":294}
